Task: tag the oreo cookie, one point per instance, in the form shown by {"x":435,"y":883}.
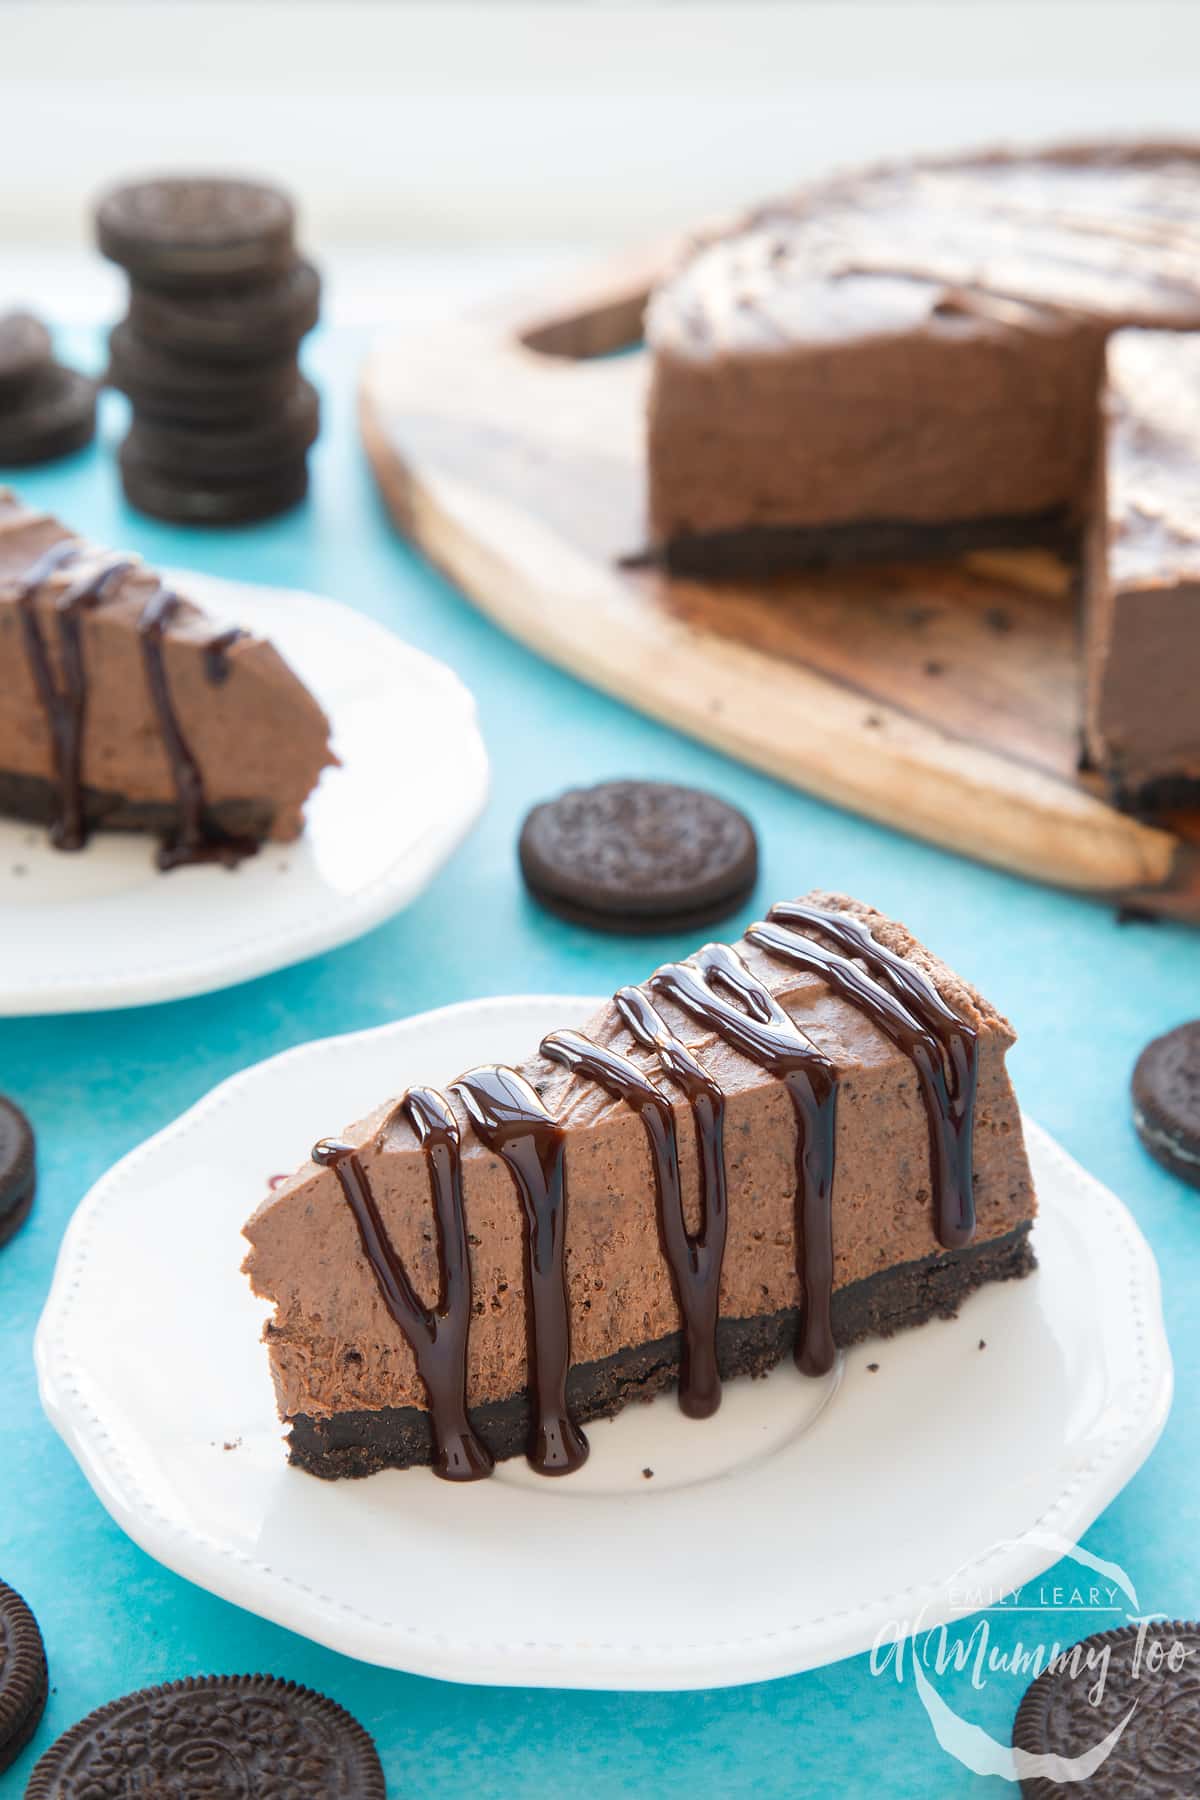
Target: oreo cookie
{"x":1166,"y":1101}
{"x":182,"y":389}
{"x":18,"y":1169}
{"x":195,"y":229}
{"x":24,"y":354}
{"x":207,"y":356}
{"x":233,"y":323}
{"x":202,"y":500}
{"x":54,"y":414}
{"x":639,"y":856}
{"x":216,"y":1735}
{"x":219,"y":451}
{"x":1138,"y":1685}
{"x":23,"y":1677}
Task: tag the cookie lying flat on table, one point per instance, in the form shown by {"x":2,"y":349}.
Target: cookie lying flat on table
{"x":24,"y":353}
{"x":639,"y":856}
{"x":23,"y":1677}
{"x":219,"y":1734}
{"x":1150,"y":1683}
{"x":18,"y":1169}
{"x":1166,"y":1101}
{"x":189,"y":228}
{"x":53,"y":415}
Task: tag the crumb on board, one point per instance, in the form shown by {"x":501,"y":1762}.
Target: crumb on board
{"x":648,"y":1474}
{"x":233,"y":1444}
{"x":872,"y":1368}
{"x":983,"y":1343}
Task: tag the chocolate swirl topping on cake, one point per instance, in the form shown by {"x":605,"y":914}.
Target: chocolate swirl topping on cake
{"x":718,"y":989}
{"x":438,"y":1334}
{"x":944,"y":1052}
{"x":195,"y":838}
{"x":511,"y":1120}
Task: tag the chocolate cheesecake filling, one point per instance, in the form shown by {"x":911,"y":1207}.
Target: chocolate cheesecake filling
{"x":357,"y":1443}
{"x":107,"y":658}
{"x":527,"y":1135}
{"x":916,"y":362}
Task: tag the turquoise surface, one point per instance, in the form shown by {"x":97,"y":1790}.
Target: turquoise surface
{"x":1085,"y":992}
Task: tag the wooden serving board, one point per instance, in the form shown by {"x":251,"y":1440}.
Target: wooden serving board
{"x":939,"y":698}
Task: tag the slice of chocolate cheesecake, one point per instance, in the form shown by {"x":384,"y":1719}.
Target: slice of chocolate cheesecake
{"x":778,"y":1147}
{"x":1142,"y":576}
{"x":907,"y":360}
{"x":126,"y":708}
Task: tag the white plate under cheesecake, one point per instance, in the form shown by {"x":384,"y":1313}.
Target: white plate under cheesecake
{"x":831,"y":1507}
{"x":104,"y":927}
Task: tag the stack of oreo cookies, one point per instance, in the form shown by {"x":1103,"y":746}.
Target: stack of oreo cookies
{"x":46,"y":410}
{"x":219,"y":302}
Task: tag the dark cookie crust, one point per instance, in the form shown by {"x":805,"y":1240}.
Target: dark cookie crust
{"x":218,"y":1734}
{"x":235,"y":324}
{"x":363,"y":1442}
{"x":194,"y":229}
{"x":23,"y":1677}
{"x":55,"y":414}
{"x":223,"y":451}
{"x":201,"y":500}
{"x":1166,"y":1101}
{"x":18,"y":1173}
{"x":759,"y":550}
{"x":36,"y":799}
{"x":24,"y":353}
{"x":1156,"y":1756}
{"x":639,"y":856}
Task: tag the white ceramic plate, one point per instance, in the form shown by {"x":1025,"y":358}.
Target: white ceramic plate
{"x":783,"y":1533}
{"x":105,"y":928}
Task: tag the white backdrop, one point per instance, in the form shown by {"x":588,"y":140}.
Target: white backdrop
{"x":459,"y":122}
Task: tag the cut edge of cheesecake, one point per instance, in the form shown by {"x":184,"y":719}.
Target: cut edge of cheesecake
{"x":1141,"y":577}
{"x":129,"y":708}
{"x":348,"y":1377}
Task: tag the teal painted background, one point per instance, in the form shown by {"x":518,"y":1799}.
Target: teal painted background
{"x":1084,"y":992}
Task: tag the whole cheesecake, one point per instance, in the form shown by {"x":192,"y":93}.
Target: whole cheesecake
{"x":915,"y":361}
{"x":771,"y":1148}
{"x":126,"y":708}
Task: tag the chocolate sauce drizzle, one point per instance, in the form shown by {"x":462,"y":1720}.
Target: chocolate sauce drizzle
{"x":196,"y":839}
{"x":694,"y":1260}
{"x":707,"y":987}
{"x":511,"y":1120}
{"x":903,"y":1003}
{"x":437,"y":1335}
{"x":718,"y":989}
{"x":216,"y":654}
